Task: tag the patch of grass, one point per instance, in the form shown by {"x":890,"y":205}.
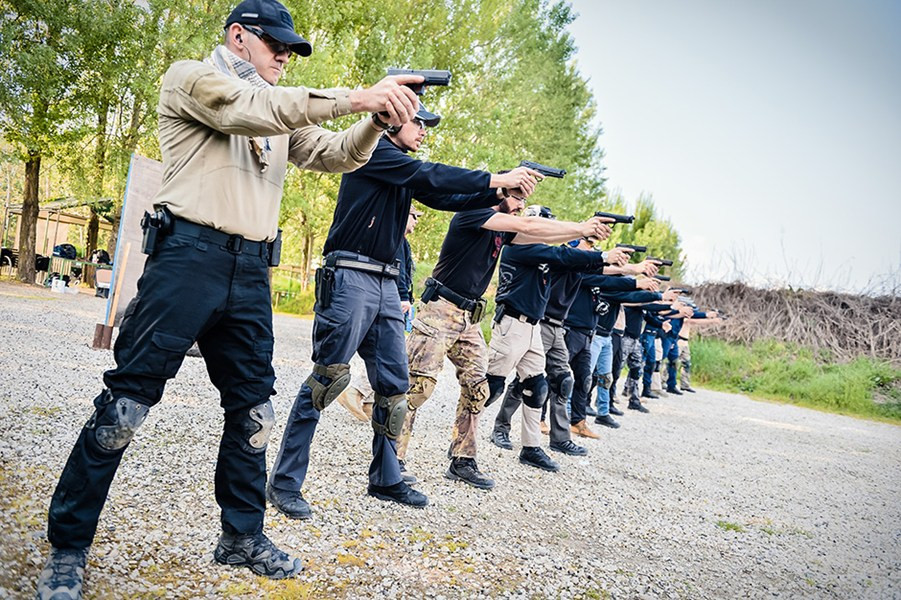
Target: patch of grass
{"x":789,"y":373}
{"x":728,"y":526}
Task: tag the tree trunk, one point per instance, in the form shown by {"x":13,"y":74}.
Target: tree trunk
{"x":29,"y":222}
{"x":307,"y":259}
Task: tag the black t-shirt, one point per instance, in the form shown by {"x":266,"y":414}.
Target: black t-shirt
{"x":525,"y":274}
{"x":582,"y":314}
{"x":607,"y":319}
{"x":374,"y":201}
{"x":470,"y":253}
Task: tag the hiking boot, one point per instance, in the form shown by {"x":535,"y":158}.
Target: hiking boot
{"x":638,"y":406}
{"x":646,"y":393}
{"x":290,"y":504}
{"x":466,"y":469}
{"x":63,"y":575}
{"x":569,"y":447}
{"x":256,"y":552}
{"x":399,"y":492}
{"x":581,"y":429}
{"x":407,"y":476}
{"x":615,"y":411}
{"x":607,"y":421}
{"x":674,"y":391}
{"x":545,"y":430}
{"x":501,"y":439}
{"x":535,"y":457}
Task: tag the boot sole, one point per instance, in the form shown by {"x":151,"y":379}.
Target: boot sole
{"x":542,"y":467}
{"x":453,"y":477}
{"x":387,"y":498}
{"x":562,"y":451}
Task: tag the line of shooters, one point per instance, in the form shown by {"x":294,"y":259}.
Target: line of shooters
{"x":226,"y":133}
{"x":565,"y":316}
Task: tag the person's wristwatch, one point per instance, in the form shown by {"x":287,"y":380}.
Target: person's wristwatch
{"x":379,"y":123}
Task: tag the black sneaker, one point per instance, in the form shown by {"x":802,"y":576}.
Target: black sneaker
{"x":290,"y":504}
{"x":638,"y":406}
{"x":399,"y":492}
{"x":408,"y":477}
{"x":607,"y":421}
{"x":569,"y":447}
{"x":674,"y":391}
{"x":535,"y":457}
{"x":63,"y":575}
{"x":615,"y":411}
{"x":256,"y":552}
{"x":466,"y":469}
{"x":689,"y":389}
{"x":590,"y":411}
{"x":648,"y":394}
{"x":501,"y":439}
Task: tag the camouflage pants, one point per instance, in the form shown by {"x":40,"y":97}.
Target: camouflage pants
{"x":632,"y":356}
{"x":441,"y":329}
{"x":685,"y":359}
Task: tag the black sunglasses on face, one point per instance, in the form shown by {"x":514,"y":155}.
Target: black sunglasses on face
{"x":276,"y":46}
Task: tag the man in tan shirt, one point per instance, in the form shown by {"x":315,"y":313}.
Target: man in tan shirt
{"x":226,"y":136}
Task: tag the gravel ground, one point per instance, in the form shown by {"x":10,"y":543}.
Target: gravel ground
{"x":710,"y":496}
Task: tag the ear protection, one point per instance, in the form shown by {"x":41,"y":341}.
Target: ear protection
{"x":238,"y":37}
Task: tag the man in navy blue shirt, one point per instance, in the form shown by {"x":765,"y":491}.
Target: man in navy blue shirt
{"x":358,"y":306}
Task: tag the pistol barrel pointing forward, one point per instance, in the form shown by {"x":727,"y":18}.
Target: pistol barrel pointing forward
{"x":616,"y":218}
{"x":543,"y":169}
{"x":430,"y":76}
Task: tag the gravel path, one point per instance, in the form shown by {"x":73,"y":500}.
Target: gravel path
{"x":710,"y":496}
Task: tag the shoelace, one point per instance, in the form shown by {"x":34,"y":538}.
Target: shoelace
{"x":263,"y":544}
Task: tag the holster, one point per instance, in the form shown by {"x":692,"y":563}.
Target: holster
{"x":156,"y":226}
{"x":498,"y":313}
{"x":325,"y":282}
{"x":431,"y":290}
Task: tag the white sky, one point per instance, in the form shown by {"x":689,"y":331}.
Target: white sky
{"x":768,"y":132}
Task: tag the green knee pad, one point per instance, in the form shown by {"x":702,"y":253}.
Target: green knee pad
{"x":397,"y":412}
{"x":323,"y":395}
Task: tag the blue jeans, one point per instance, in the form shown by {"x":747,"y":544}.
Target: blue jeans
{"x":602,"y":359}
{"x":650,"y":356}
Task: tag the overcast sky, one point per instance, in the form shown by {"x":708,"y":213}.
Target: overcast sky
{"x":768,"y":132}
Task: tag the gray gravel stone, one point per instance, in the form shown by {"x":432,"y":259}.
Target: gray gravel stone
{"x":709,"y":496}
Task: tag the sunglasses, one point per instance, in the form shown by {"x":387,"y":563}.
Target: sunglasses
{"x":276,"y":46}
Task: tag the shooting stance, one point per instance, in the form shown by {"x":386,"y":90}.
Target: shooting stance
{"x":226,"y":136}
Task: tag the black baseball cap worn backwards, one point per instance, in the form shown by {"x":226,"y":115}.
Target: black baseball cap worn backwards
{"x":274,"y":19}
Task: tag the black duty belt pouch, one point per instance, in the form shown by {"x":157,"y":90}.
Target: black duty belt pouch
{"x":430,"y":292}
{"x":325,"y":281}
{"x":275,"y":250}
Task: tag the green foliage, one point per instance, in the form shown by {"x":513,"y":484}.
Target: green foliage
{"x":789,"y":373}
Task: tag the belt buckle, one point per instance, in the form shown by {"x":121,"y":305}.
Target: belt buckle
{"x":235,"y":244}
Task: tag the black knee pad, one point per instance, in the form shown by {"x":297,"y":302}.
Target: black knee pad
{"x":562,"y":384}
{"x":252,"y":426}
{"x":635,"y":373}
{"x":495,"y":388}
{"x":534,"y":391}
{"x":115,"y":422}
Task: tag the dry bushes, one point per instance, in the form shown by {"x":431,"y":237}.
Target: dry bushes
{"x":845,"y":325}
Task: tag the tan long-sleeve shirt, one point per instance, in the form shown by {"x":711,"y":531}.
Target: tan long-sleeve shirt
{"x":212,"y":176}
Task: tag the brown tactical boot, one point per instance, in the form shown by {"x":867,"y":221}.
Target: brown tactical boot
{"x":352,"y":400}
{"x":581,"y":429}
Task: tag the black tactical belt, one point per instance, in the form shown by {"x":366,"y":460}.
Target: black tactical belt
{"x":375,"y":267}
{"x":442,"y":291}
{"x":684,"y":339}
{"x":512,"y":312}
{"x":602,"y":332}
{"x":234,"y":243}
{"x":583,"y":330}
{"x":653,"y":330}
{"x":552,"y":321}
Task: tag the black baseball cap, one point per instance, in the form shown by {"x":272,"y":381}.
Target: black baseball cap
{"x":429,"y":119}
{"x":273,"y":18}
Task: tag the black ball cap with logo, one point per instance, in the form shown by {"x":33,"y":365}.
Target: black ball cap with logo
{"x":274,"y":19}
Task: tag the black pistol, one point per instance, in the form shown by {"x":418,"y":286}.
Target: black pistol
{"x":430,"y":76}
{"x":543,"y":169}
{"x":616,"y":218}
{"x":662,"y":277}
{"x":661,"y":261}
{"x":635,"y":249}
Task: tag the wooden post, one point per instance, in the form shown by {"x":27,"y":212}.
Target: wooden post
{"x":103,"y":332}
